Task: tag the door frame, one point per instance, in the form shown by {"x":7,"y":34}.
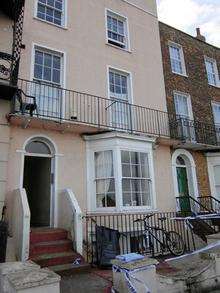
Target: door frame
{"x":54,"y":164}
{"x":213,"y":159}
{"x":191,"y":167}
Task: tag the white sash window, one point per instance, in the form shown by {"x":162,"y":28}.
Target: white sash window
{"x":212,"y":71}
{"x":177,"y":58}
{"x":184,"y":115}
{"x":48,"y":77}
{"x":119,"y":89}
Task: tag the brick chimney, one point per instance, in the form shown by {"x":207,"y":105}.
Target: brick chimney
{"x":199,"y":36}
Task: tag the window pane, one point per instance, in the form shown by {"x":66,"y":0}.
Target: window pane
{"x":125,"y":158}
{"x":47,"y":60}
{"x":105,"y":188}
{"x":37,"y":147}
{"x":126,"y":170}
{"x":217,"y":175}
{"x":39,"y":57}
{"x":110,"y":200}
{"x":47,"y":74}
{"x":100,"y":201}
{"x":38,"y":71}
{"x":100,"y":186}
{"x":56,"y":76}
{"x":136,"y":171}
{"x":135,"y":190}
{"x":127,"y":199}
{"x":126,"y":185}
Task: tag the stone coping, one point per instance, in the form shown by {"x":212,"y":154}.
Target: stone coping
{"x":32,"y":278}
{"x":13,"y":267}
{"x":142,"y":263}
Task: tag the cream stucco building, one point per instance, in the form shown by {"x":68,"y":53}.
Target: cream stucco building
{"x":88,"y":122}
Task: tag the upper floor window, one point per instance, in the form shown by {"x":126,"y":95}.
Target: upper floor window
{"x":47,"y":66}
{"x":118,"y":84}
{"x":183,"y":105}
{"x":51,"y":11}
{"x":212,"y":71}
{"x":117,"y":30}
{"x":216,"y":113}
{"x":177,"y":59}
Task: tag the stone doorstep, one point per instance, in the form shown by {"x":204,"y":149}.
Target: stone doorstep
{"x":32,"y":278}
{"x":13,"y":267}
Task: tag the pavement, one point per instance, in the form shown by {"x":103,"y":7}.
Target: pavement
{"x":96,"y":281}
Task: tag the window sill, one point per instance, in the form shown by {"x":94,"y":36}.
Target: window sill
{"x":51,"y":23}
{"x":116,"y":47}
{"x":124,"y":210}
{"x":180,"y":74}
{"x":215,"y":86}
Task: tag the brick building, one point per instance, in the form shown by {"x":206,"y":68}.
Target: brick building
{"x":191,"y":74}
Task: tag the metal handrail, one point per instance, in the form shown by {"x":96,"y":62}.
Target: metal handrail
{"x":195,"y":202}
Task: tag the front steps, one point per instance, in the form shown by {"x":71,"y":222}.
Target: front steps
{"x":50,"y":247}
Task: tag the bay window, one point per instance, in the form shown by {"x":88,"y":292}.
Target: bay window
{"x":120,"y":178}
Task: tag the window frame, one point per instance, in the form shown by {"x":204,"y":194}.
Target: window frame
{"x":56,"y":52}
{"x":64,"y":15}
{"x":129,"y":81}
{"x":51,"y":68}
{"x":216,"y":72}
{"x":126,"y":28}
{"x":117,"y":145}
{"x":183,"y":64}
{"x":189,"y":103}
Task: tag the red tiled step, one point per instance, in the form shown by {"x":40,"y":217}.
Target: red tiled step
{"x":54,"y":259}
{"x":50,"y":247}
{"x":47,"y":234}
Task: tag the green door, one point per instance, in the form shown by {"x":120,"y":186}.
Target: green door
{"x":183,"y":189}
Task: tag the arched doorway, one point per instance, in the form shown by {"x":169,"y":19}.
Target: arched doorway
{"x":185,"y":181}
{"x":38,"y":180}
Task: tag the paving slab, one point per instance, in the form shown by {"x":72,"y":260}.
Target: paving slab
{"x":84,"y":283}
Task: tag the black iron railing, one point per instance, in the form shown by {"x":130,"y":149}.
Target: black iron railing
{"x":131,"y":233}
{"x":9,"y":62}
{"x":194,"y":131}
{"x":210,"y":202}
{"x":56,"y":103}
{"x":188,"y":205}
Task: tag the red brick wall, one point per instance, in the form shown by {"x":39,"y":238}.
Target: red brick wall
{"x":195,"y":84}
{"x":202,"y":173}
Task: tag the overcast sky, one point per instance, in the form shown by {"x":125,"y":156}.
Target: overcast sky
{"x":186,"y":15}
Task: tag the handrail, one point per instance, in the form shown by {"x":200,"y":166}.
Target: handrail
{"x":70,"y":218}
{"x":212,"y":201}
{"x":197,"y":202}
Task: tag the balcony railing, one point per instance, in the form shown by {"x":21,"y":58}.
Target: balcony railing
{"x":8,"y":67}
{"x":55,"y":103}
{"x":9,"y":62}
